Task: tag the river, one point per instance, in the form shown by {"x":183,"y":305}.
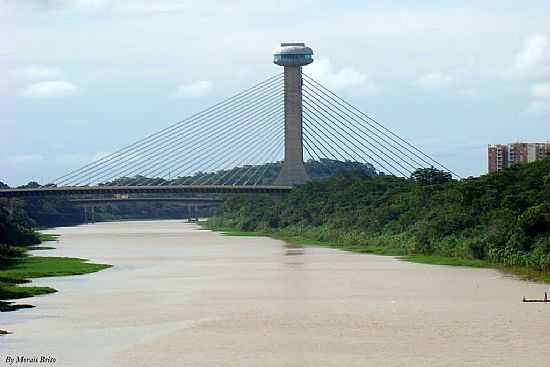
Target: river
{"x":181,"y":296}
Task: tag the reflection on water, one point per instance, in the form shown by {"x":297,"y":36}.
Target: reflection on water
{"x":293,"y":250}
{"x":177,"y":296}
{"x":295,"y":253}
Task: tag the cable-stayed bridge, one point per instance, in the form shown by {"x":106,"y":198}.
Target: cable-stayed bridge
{"x":253,"y":142}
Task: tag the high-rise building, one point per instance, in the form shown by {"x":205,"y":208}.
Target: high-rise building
{"x":501,"y":156}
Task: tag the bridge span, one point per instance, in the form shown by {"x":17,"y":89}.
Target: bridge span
{"x":182,"y":189}
{"x":115,"y":200}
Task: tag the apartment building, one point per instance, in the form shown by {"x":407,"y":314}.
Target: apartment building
{"x":501,"y":156}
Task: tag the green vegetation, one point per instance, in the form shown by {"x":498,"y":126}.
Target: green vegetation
{"x":38,"y":267}
{"x":47,"y":236}
{"x":16,"y":266}
{"x":443,"y":260}
{"x":316,"y":170}
{"x":500,"y":219}
{"x":58,"y":211}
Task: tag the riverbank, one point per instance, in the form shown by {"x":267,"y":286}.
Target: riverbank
{"x":182,"y":296}
{"x":26,"y":267}
{"x":385,"y":250}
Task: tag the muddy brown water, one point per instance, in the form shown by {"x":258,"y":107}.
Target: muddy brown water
{"x":181,"y":296}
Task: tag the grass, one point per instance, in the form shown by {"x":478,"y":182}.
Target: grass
{"x":24,"y":267}
{"x":302,"y":241}
{"x":47,"y":236}
{"x":362,"y":249}
{"x":38,"y":267}
{"x":11,"y":291}
{"x":229,"y":232}
{"x":444,"y":260}
{"x":521,"y":272}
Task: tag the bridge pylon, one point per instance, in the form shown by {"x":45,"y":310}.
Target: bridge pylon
{"x":292,"y":56}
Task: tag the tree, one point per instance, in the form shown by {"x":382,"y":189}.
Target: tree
{"x":431,"y":176}
{"x":30,"y":185}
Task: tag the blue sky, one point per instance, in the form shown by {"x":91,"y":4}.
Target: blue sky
{"x":82,"y":78}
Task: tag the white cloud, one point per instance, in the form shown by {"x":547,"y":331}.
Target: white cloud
{"x":50,"y":89}
{"x":540,"y":102}
{"x":195,"y":89}
{"x":533,"y":63}
{"x":324,"y":72}
{"x":533,"y":60}
{"x":435,"y":80}
{"x":33,"y":72}
{"x":73,"y":4}
{"x":541,"y":90}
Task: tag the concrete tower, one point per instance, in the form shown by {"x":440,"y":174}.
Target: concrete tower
{"x":293,"y":56}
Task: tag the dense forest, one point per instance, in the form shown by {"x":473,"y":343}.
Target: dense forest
{"x":502,"y":218}
{"x":15,"y":240}
{"x":13,"y":235}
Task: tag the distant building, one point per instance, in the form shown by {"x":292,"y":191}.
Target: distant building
{"x":501,"y":156}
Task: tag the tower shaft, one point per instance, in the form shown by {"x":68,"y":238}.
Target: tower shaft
{"x":293,"y":170}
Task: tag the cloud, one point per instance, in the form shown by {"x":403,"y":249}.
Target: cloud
{"x":34,"y":72}
{"x":195,"y":89}
{"x":50,"y":89}
{"x":541,"y":90}
{"x":69,"y":4}
{"x":435,"y":80}
{"x":533,"y":61}
{"x":324,"y":72}
{"x":540,"y":102}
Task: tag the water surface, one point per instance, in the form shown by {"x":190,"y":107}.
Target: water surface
{"x":180,"y":296}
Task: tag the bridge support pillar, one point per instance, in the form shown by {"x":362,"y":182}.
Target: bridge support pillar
{"x":11,"y":208}
{"x":89,"y":214}
{"x":293,"y":170}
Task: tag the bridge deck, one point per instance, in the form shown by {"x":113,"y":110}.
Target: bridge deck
{"x":190,"y":200}
{"x":183,"y":189}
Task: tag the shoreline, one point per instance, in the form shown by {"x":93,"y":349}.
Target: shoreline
{"x":28,"y":267}
{"x":520,"y":272}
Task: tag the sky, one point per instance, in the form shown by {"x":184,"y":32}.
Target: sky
{"x":81,"y":78}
